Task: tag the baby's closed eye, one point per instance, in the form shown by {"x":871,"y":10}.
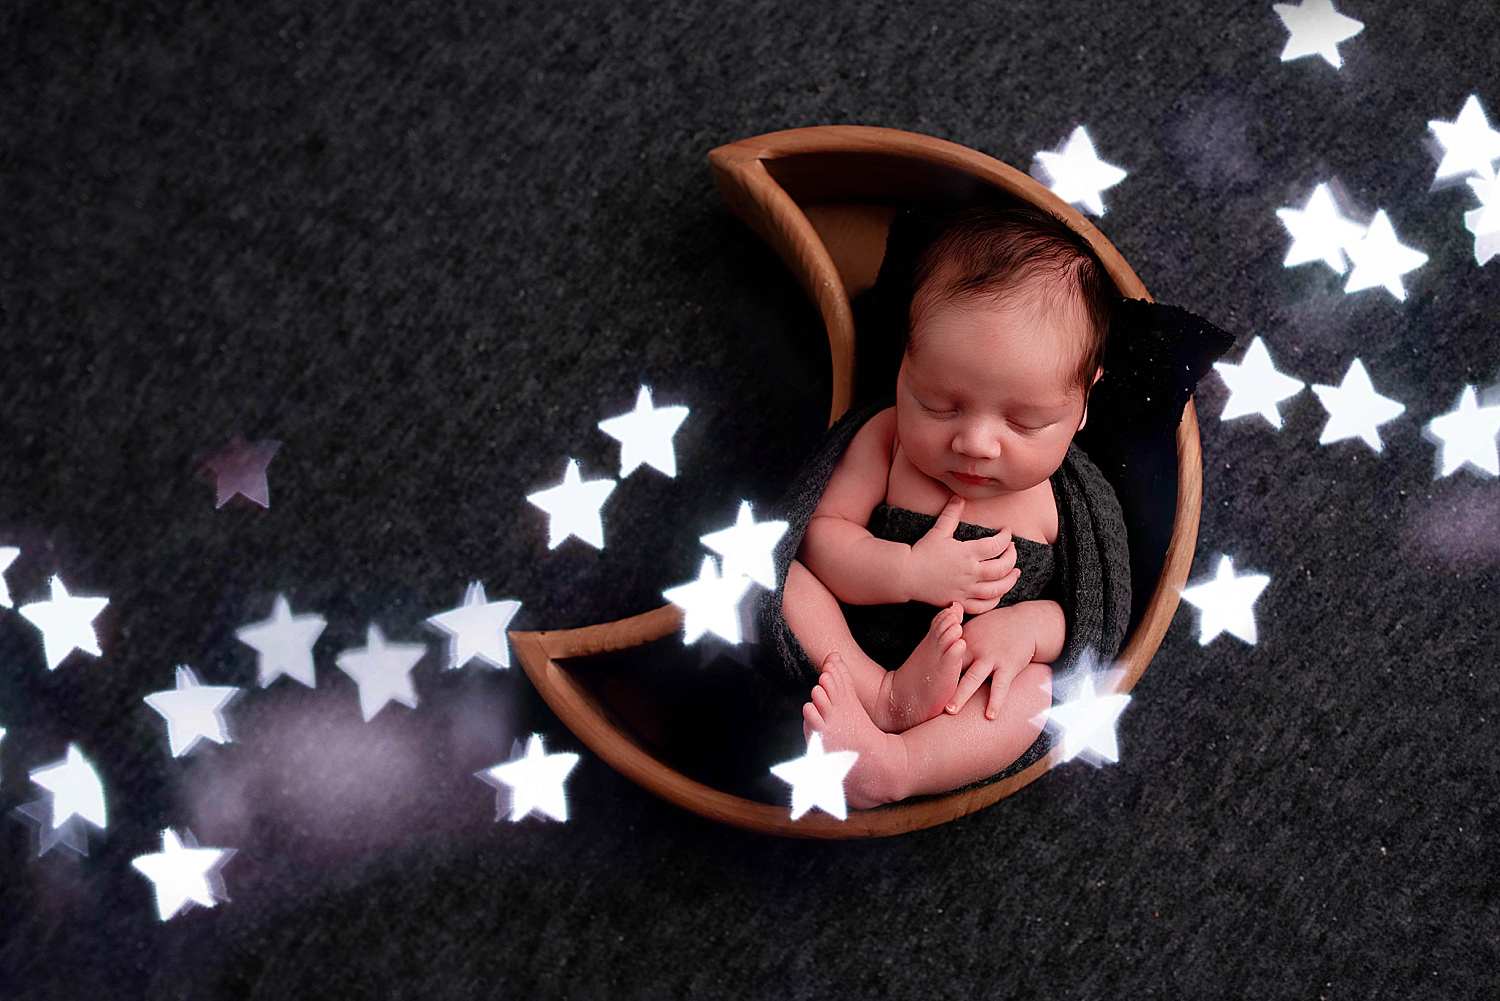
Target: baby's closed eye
{"x":938,"y":409}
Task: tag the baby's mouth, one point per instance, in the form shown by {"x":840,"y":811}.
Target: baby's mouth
{"x":973,"y":481}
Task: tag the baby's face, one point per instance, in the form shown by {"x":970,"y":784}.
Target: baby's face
{"x":988,"y":399}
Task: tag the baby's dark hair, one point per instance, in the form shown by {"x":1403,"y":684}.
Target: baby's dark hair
{"x":994,"y":252}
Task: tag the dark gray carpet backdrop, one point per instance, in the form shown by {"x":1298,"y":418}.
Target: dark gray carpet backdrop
{"x":429,"y":245}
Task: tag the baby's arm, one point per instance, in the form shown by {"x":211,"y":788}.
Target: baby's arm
{"x":1002,"y":642}
{"x":863,"y":570}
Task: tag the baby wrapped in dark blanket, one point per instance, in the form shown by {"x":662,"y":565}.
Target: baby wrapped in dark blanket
{"x":1087,"y":571}
{"x":1152,"y":358}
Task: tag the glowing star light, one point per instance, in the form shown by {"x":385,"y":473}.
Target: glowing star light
{"x":1484,"y":222}
{"x":1226,"y":603}
{"x":75,"y":787}
{"x":1467,"y":434}
{"x":193,"y":711}
{"x":183,"y":873}
{"x":817,"y":779}
{"x":746,"y":547}
{"x":1076,"y":174}
{"x":383,"y":671}
{"x":1355,"y":410}
{"x":1316,"y":30}
{"x":283,"y":643}
{"x":75,"y":792}
{"x":1470,"y":146}
{"x":1086,"y":723}
{"x":535,"y":781}
{"x":8,"y":556}
{"x":710,"y":604}
{"x":1380,"y":259}
{"x":645,"y":435}
{"x":240,"y":468}
{"x":573,"y":508}
{"x":1255,"y":387}
{"x":1320,"y":232}
{"x":476,"y":628}
{"x":66,"y":622}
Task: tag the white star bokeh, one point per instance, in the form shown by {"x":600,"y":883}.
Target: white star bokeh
{"x":1380,"y":259}
{"x":66,"y":622}
{"x":573,"y":508}
{"x":1255,"y":386}
{"x":8,"y":556}
{"x":1076,"y":174}
{"x":75,"y":794}
{"x":194,"y":711}
{"x":1319,"y":231}
{"x":817,"y":779}
{"x":1086,"y":720}
{"x":283,"y":643}
{"x":476,"y":628}
{"x":710,"y":604}
{"x":1466,"y":436}
{"x":1316,"y":30}
{"x":382,"y":671}
{"x":747,"y":546}
{"x":184,"y":874}
{"x":1484,"y":222}
{"x":1226,"y":603}
{"x":535,"y":781}
{"x":645,"y":435}
{"x":1470,"y":145}
{"x":1355,"y":410}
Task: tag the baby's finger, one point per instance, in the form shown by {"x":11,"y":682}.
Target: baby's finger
{"x":978,"y":605}
{"x":992,"y":546}
{"x":999,"y":688}
{"x":947,"y":521}
{"x":1007,"y":559}
{"x":996,"y":569}
{"x":996,"y":588}
{"x":969,"y":684}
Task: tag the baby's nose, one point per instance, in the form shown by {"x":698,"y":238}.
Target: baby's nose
{"x":977,"y":441}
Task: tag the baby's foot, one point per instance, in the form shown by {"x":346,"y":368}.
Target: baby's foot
{"x":879,"y":774}
{"x":920,"y":688}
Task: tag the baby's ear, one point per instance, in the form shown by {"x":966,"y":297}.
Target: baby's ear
{"x":1098,"y":373}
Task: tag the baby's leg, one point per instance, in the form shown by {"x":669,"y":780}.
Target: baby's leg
{"x":894,"y":700}
{"x":939,"y":755}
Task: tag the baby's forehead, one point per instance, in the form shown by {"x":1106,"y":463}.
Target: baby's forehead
{"x":1027,"y":366}
{"x":1046,"y":316}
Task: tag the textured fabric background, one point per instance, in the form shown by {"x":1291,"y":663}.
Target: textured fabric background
{"x":428,"y":245}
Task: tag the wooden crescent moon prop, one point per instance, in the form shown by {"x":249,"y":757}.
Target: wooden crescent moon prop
{"x":824,"y":198}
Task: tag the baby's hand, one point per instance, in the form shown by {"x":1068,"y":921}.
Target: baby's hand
{"x":943,"y":570}
{"x":997,"y":647}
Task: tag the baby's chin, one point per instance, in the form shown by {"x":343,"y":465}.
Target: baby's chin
{"x":979,"y":491}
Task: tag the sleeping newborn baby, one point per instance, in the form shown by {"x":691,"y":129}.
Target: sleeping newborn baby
{"x":1008,"y":319}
